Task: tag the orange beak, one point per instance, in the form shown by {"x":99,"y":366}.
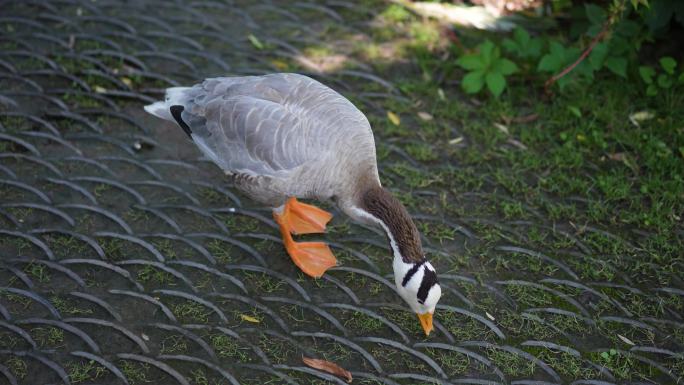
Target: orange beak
{"x":426,"y":322}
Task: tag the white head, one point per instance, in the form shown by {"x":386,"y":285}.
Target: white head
{"x":417,"y":284}
{"x":414,"y":276}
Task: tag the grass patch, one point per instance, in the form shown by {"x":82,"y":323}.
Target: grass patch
{"x":228,"y":347}
{"x":510,"y":363}
{"x":191,"y":312}
{"x":360,"y":323}
{"x":17,"y":366}
{"x":84,"y":371}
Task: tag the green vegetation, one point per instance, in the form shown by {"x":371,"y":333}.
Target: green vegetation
{"x":191,"y":312}
{"x":83,"y":371}
{"x":228,"y":347}
{"x":135,"y":372}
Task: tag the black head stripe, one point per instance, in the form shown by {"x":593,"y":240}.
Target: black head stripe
{"x":176,"y":113}
{"x":429,"y":280}
{"x":413,"y":270}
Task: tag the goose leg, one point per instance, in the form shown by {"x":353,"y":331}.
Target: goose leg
{"x":313,"y":258}
{"x":304,"y":219}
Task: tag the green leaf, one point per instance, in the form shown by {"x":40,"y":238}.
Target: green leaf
{"x":647,"y":73}
{"x":595,"y":14}
{"x":680,"y":79}
{"x":619,"y":46}
{"x":669,"y":64}
{"x":652,"y":90}
{"x":659,"y":15}
{"x":511,"y":46}
{"x":618,"y":65}
{"x":613,"y":352}
{"x":495,"y":83}
{"x":487,"y":51}
{"x":255,"y":41}
{"x":470,"y":62}
{"x":575,"y":111}
{"x":521,"y":36}
{"x":585,"y":70}
{"x":504,"y":67}
{"x":473,"y":82}
{"x":635,"y":3}
{"x":605,"y":355}
{"x":534,"y":48}
{"x":598,"y":56}
{"x":664,"y":81}
{"x":554,"y":60}
{"x":548,"y":63}
{"x":628,"y":28}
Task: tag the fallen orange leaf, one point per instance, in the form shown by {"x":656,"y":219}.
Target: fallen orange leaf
{"x":328,"y":367}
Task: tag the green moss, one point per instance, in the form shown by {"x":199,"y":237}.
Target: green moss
{"x":228,"y":347}
{"x":191,"y":312}
{"x":150,"y":274}
{"x":566,"y":365}
{"x":623,"y":366}
{"x":38,"y":271}
{"x":360,"y":323}
{"x":67,"y":306}
{"x":84,"y":370}
{"x":511,"y":364}
{"x":264,"y":283}
{"x":391,"y":358}
{"x":48,"y":336}
{"x":135,"y":372}
{"x":17,"y":366}
{"x":278,"y":350}
{"x":396,"y":13}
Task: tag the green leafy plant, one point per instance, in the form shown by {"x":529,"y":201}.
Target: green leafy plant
{"x":558,"y":58}
{"x":486,"y":66}
{"x":608,"y":355}
{"x":522,"y":45}
{"x":656,"y":80}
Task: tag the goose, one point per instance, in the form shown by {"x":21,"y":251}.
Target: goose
{"x":285,"y":136}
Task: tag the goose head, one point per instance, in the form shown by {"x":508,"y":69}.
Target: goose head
{"x":414,"y":276}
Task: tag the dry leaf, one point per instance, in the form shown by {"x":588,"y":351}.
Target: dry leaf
{"x":328,"y":367}
{"x":491,"y":317}
{"x":456,"y":140}
{"x":248,"y":318}
{"x":501,"y":128}
{"x":100,"y":89}
{"x":516,"y":143}
{"x":440,"y":93}
{"x":625,"y":340}
{"x":394,"y":118}
{"x":127,"y":81}
{"x":425,"y":116}
{"x":521,"y":119}
{"x":640,"y":116}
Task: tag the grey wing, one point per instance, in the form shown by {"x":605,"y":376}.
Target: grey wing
{"x":271,"y":125}
{"x":252,"y":136}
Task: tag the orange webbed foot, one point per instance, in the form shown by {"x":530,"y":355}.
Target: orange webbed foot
{"x":313,"y":258}
{"x":302,"y":218}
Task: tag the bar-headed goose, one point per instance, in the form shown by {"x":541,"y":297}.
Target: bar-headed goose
{"x":286,"y":136}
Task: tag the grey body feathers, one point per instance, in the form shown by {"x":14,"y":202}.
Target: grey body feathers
{"x":279,"y":135}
